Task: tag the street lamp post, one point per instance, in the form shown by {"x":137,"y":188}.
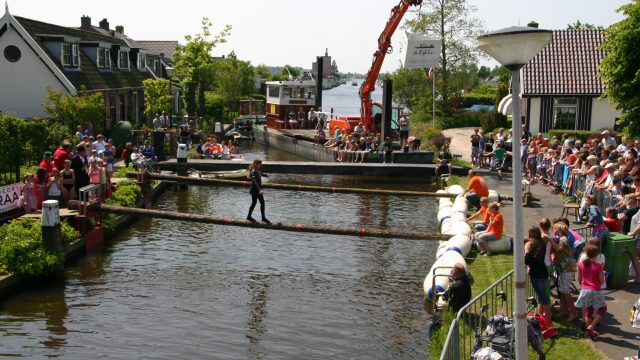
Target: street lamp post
{"x":169,"y":70}
{"x":514,"y":47}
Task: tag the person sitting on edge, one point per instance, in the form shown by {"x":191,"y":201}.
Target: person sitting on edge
{"x":459,"y":292}
{"x":493,"y":232}
{"x":476,"y":189}
{"x":481,"y":225}
{"x":444,"y":162}
{"x":359,"y":129}
{"x":147,"y":150}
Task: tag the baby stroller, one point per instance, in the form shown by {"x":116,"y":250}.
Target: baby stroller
{"x":500,"y":334}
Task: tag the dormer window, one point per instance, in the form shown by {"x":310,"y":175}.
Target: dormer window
{"x":104,"y":58}
{"x":70,"y":55}
{"x":123,"y":59}
{"x":142,"y":61}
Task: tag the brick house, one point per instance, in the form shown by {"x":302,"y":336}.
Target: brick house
{"x":561,"y":88}
{"x":37,"y":55}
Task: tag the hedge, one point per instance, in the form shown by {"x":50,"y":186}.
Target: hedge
{"x":477,"y":99}
{"x":582,"y":135}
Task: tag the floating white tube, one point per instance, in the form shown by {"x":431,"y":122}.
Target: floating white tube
{"x":461,"y":205}
{"x":456,"y":228}
{"x":455,"y":189}
{"x":503,"y":245}
{"x":444,"y":213}
{"x":442,"y":266}
{"x":493,"y":196}
{"x":459,"y":243}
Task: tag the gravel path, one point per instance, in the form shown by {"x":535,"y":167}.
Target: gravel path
{"x":460,"y":141}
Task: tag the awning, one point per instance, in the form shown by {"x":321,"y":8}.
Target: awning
{"x":504,"y":107}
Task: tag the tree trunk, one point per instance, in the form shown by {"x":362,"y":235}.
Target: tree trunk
{"x":191,"y":98}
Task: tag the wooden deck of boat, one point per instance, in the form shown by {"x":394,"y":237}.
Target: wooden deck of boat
{"x":324,"y":168}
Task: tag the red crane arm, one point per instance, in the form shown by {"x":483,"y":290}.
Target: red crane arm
{"x":384,"y":45}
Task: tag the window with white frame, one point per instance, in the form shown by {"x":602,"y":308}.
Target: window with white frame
{"x":107,"y":58}
{"x":123,"y":59}
{"x":66,"y":57}
{"x":104,"y":59}
{"x":565,"y":113}
{"x":75,"y":55}
{"x":142,"y":61}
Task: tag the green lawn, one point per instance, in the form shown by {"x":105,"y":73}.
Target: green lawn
{"x":486,"y":271}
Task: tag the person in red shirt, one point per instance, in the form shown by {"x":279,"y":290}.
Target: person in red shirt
{"x":46,"y":163}
{"x":476,"y":189}
{"x":493,"y":232}
{"x":611,"y":220}
{"x":61,"y":155}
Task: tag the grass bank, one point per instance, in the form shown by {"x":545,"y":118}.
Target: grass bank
{"x":486,"y":271}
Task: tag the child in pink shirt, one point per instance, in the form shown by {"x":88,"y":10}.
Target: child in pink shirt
{"x":591,"y":278}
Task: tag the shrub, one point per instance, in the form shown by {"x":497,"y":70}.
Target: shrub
{"x":432,"y":138}
{"x":127,"y":194}
{"x":477,"y":99}
{"x":459,"y":119}
{"x":22,"y":251}
{"x":122,"y":172}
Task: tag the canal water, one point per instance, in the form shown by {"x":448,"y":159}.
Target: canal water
{"x":164,"y":290}
{"x":345,"y":99}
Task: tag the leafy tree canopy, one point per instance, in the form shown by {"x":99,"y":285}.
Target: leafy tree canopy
{"x":620,"y":69}
{"x":156,"y":96}
{"x":73,"y":110}
{"x":577,"y":25}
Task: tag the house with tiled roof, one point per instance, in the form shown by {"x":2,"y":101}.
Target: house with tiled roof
{"x":39,"y":55}
{"x":561,"y":86}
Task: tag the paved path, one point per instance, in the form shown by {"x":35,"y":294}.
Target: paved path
{"x":618,"y":337}
{"x":460,"y":144}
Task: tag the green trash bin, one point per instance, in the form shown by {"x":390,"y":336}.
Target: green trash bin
{"x":618,"y":249}
{"x":174,"y":121}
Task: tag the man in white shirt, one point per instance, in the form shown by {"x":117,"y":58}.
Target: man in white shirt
{"x":313,"y":117}
{"x":608,"y":140}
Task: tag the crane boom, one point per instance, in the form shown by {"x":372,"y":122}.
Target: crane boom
{"x":384,"y":45}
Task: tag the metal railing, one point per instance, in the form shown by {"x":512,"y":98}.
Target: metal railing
{"x":460,"y":340}
{"x":88,"y":195}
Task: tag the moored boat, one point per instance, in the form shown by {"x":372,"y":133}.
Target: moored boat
{"x":230,"y":174}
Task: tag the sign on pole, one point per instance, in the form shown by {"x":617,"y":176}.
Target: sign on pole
{"x":10,"y":197}
{"x":420,"y":52}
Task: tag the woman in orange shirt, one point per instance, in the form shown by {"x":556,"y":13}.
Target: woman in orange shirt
{"x":481,"y":225}
{"x":493,"y":232}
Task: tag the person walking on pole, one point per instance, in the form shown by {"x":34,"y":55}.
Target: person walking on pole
{"x":255,"y":189}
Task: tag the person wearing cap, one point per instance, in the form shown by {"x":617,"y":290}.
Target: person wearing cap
{"x":147,"y":150}
{"x":494,"y":230}
{"x":608,"y":140}
{"x":47,"y":163}
{"x":476,"y":189}
{"x":459,"y":292}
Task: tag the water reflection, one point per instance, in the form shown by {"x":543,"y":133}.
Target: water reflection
{"x":257,"y":287}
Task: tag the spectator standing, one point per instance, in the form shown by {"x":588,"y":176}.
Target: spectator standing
{"x":157,"y":125}
{"x":80,"y":164}
{"x":611,"y":220}
{"x":538,"y":274}
{"x":608,"y":140}
{"x":47,"y":163}
{"x":99,"y":144}
{"x":474,"y":139}
{"x":68,"y":183}
{"x":54,"y":187}
{"x":62,"y":154}
{"x":403,"y":127}
{"x":79,"y":133}
{"x":591,"y":278}
{"x":312,"y":117}
{"x":89,"y":130}
{"x":596,"y":220}
{"x":628,"y":213}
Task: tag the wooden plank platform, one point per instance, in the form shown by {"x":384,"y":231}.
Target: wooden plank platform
{"x":64,"y":212}
{"x":323,"y":168}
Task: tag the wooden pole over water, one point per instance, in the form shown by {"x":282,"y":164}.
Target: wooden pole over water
{"x":208,"y":219}
{"x":216,"y":181}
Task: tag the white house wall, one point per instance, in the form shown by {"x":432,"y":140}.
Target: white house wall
{"x":603,"y":114}
{"x":23,"y":83}
{"x":534,"y":116}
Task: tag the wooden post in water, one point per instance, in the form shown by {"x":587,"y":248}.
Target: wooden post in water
{"x":214,"y":181}
{"x":209,"y":219}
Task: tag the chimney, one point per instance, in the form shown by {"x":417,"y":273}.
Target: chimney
{"x":120,"y":29}
{"x":532,"y":24}
{"x":85,"y":22}
{"x":104,"y":24}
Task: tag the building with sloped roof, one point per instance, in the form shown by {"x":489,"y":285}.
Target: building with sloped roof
{"x":39,"y":55}
{"x":561,"y":86}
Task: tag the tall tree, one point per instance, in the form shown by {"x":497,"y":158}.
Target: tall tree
{"x":289,"y":70}
{"x":194,"y":64}
{"x":234,"y":79}
{"x":620,"y":69}
{"x":452,"y":22}
{"x":262,"y":71}
{"x":156,"y":96}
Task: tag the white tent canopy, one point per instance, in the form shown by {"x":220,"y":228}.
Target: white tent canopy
{"x":504,"y":107}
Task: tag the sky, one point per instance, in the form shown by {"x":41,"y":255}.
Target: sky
{"x":279,"y":32}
